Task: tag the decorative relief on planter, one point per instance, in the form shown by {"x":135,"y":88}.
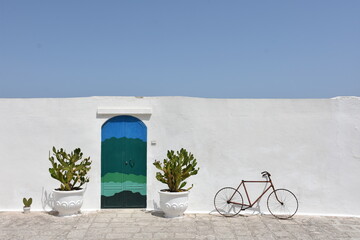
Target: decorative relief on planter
{"x":68,"y":203}
{"x":176,"y":208}
{"x":173,"y":204}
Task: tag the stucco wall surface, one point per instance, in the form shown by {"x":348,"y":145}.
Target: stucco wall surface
{"x":310,"y":146}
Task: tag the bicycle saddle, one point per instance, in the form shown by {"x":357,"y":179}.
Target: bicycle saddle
{"x":265,"y":173}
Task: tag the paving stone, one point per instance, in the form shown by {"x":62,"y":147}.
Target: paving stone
{"x":185,"y":235}
{"x":242,"y":232}
{"x":123,"y":220}
{"x":76,"y":234}
{"x":205,"y":237}
{"x":204,"y":229}
{"x":123,"y":215}
{"x":96,"y":236}
{"x":163,"y":235}
{"x":264,"y":237}
{"x":141,"y":215}
{"x":126,"y":230}
{"x":86,"y":219}
{"x":11,"y":237}
{"x":91,"y":231}
{"x":40,"y":238}
{"x":354,"y":235}
{"x":245,"y":238}
{"x":51,"y":232}
{"x":222,"y":229}
{"x":142,"y":235}
{"x":82,"y":225}
{"x":118,"y":236}
{"x":151,"y":224}
{"x":139,"y":224}
{"x":59,"y":227}
{"x":149,"y":229}
{"x":225,"y":238}
{"x":180,"y":228}
{"x":282,"y":234}
{"x":102,"y":219}
{"x":98,"y":225}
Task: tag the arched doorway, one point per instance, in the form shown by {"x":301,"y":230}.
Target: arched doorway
{"x":123,"y":163}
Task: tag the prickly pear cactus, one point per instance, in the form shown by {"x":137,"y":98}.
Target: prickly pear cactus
{"x":27,"y":202}
{"x":69,"y":169}
{"x":175,"y":169}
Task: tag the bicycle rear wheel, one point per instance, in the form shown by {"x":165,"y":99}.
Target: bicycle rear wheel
{"x":222,"y":201}
{"x":282,"y":203}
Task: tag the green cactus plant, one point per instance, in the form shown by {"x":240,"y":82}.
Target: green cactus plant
{"x":27,"y":202}
{"x":175,"y":169}
{"x":69,"y":169}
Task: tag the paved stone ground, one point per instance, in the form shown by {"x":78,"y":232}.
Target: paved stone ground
{"x":132,"y":224}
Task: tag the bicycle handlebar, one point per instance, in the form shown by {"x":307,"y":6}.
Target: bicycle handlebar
{"x":265,"y":173}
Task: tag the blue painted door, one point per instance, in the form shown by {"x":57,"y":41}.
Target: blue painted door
{"x":123,"y":163}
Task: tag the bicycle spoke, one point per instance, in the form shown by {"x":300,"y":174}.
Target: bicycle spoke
{"x":223,"y":206}
{"x":282,"y":203}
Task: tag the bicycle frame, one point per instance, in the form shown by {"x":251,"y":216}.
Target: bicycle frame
{"x":247,"y":195}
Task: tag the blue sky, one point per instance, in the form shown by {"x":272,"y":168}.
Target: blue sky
{"x":218,"y":49}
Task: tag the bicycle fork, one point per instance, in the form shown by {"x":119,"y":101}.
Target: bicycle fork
{"x":282,"y":203}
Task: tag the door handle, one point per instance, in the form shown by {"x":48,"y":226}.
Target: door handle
{"x":132,"y":163}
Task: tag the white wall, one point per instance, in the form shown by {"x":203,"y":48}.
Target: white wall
{"x":310,"y":146}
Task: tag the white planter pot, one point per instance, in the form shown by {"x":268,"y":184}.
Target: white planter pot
{"x":173,"y":204}
{"x":26,"y":209}
{"x":68,"y":203}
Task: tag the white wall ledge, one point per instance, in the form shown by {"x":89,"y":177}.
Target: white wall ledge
{"x":121,"y":111}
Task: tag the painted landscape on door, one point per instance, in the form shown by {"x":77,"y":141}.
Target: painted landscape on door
{"x":123,"y":163}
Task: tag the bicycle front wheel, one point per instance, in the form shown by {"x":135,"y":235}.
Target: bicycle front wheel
{"x":282,"y":204}
{"x":228,"y":201}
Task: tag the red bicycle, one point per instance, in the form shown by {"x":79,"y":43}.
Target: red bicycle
{"x":281,"y":203}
